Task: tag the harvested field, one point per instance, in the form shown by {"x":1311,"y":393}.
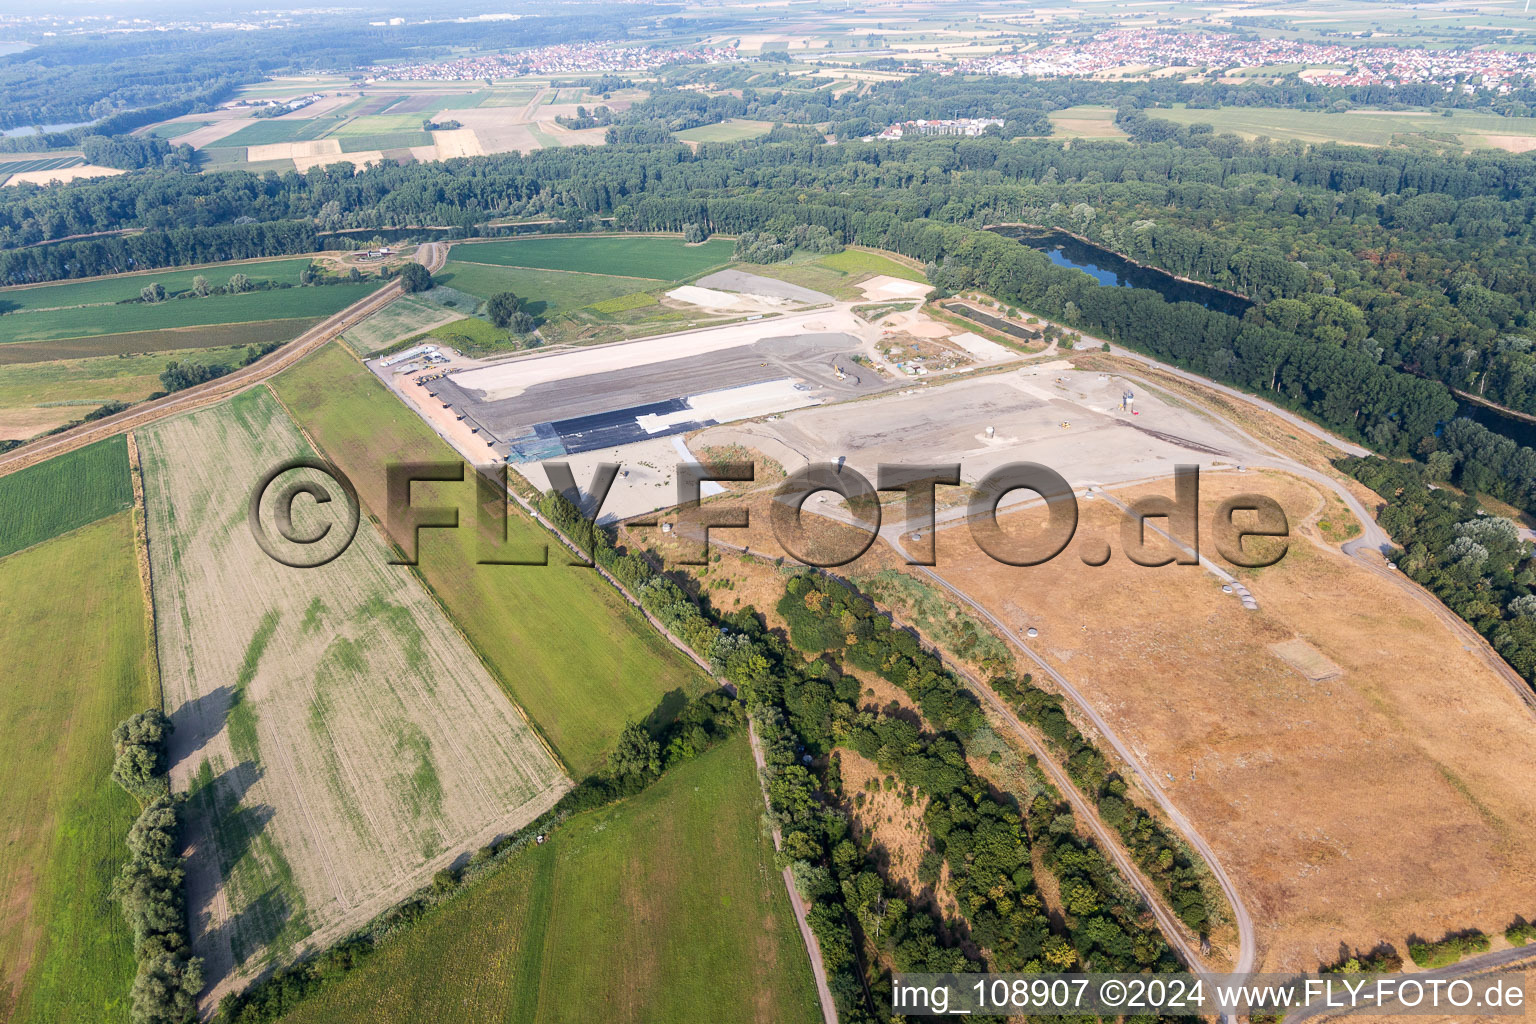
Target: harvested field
{"x":76,"y":655}
{"x":293,"y":150}
{"x":307,"y":163}
{"x":67,"y":389}
{"x":1439,"y":756}
{"x":338,"y":740}
{"x":533,"y":624}
{"x":400,"y":319}
{"x":259,"y":332}
{"x":28,"y":422}
{"x":63,"y":493}
{"x":73,"y":172}
{"x":664,"y":907}
{"x":457,"y":142}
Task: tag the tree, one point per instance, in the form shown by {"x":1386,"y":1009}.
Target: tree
{"x":502,"y":307}
{"x":637,"y":756}
{"x":200,"y":285}
{"x":138,"y":746}
{"x":239,"y":283}
{"x":415,"y":278}
{"x":693,"y":233}
{"x":152,"y":293}
{"x":521,"y":322}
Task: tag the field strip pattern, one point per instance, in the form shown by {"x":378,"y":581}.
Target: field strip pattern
{"x":338,"y":740}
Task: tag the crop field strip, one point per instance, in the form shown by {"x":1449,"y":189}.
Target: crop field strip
{"x":125,"y":287}
{"x":534,"y":625}
{"x":76,"y":655}
{"x":212,"y":310}
{"x":258,"y":332}
{"x":338,"y":739}
{"x":43,"y":501}
{"x":41,"y":163}
{"x":664,"y":259}
{"x":608,"y":921}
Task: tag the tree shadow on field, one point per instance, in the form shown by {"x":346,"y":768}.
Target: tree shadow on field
{"x":198,"y":720}
{"x":7,"y":306}
{"x":254,"y":926}
{"x":665,"y":712}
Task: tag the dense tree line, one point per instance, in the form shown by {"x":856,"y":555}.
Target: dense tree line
{"x":151,"y":886}
{"x":1162,"y":855}
{"x":1474,"y":562}
{"x":985,"y":841}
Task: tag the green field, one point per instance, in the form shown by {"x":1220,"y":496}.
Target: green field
{"x":734,"y":130}
{"x":378,"y":124}
{"x":568,"y":648}
{"x":125,"y":287}
{"x":40,"y":163}
{"x":266,"y":132}
{"x":175,"y":129}
{"x":51,"y":498}
{"x":1361,"y":127}
{"x":73,"y":643}
{"x":90,"y":321}
{"x":665,"y":907}
{"x":662,"y":259}
{"x":390,"y":140}
{"x":544,"y":292}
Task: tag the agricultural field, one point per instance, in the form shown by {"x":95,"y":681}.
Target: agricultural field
{"x":40,"y":396}
{"x":734,"y":130}
{"x":544,"y":292}
{"x":1365,"y":127}
{"x":1086,"y":122}
{"x":661,"y":259}
{"x":73,"y":641}
{"x":125,"y":287}
{"x":250,"y":307}
{"x":534,"y":625}
{"x":402,"y":318}
{"x":64,"y":493}
{"x":39,"y":163}
{"x":663,"y":907}
{"x":281,"y":129}
{"x":337,"y":738}
{"x":258,"y":332}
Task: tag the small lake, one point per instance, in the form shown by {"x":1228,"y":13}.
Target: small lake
{"x":1115,"y":271}
{"x":1517,"y":430}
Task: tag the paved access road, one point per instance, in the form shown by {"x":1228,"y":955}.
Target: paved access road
{"x":432,"y":255}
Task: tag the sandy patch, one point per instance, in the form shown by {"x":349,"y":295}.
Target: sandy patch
{"x":1513,"y":143}
{"x":980,"y":347}
{"x":725,"y":302}
{"x":920,"y":326}
{"x":883,"y":289}
{"x":457,"y":142}
{"x":65,"y":174}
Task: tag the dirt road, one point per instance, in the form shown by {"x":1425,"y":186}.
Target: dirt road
{"x":432,"y":255}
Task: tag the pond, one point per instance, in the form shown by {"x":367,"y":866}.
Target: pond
{"x":1115,"y":271}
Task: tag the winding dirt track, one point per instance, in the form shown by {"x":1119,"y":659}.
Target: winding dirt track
{"x":432,"y":255}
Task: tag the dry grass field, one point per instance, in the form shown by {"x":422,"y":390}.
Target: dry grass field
{"x":1389,"y":798}
{"x":338,"y":739}
{"x":1361,"y":775}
